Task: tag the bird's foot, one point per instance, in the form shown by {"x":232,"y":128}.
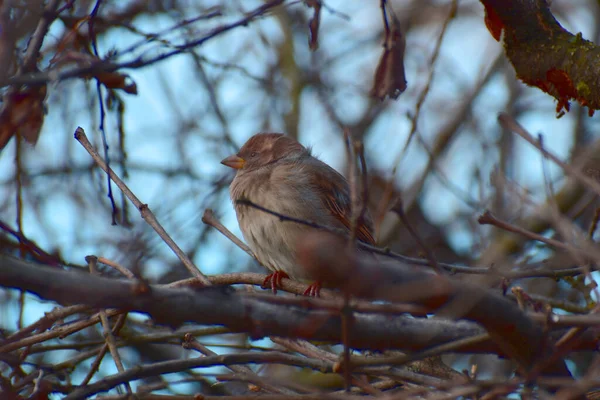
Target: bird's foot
{"x":313,"y":290}
{"x":273,"y":280}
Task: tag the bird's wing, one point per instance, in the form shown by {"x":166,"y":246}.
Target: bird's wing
{"x":335,"y":191}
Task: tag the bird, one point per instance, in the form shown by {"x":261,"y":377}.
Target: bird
{"x":276,"y":172}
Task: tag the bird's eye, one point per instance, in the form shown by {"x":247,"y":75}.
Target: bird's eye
{"x":253,"y":154}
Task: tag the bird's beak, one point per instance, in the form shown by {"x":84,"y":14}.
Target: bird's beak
{"x":234,"y":162}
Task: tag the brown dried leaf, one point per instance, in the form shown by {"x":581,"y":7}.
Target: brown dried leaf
{"x":313,"y":24}
{"x":493,"y":22}
{"x":115,"y":80}
{"x":23,"y":114}
{"x":111,"y":80}
{"x":390,"y":79}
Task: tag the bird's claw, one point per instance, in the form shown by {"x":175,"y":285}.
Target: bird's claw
{"x":274,"y":280}
{"x":313,"y":290}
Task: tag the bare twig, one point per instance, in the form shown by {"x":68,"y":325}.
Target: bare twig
{"x":355,"y":207}
{"x":488,"y":219}
{"x":190,"y":342}
{"x":145,"y":212}
{"x":594,"y":224}
{"x":118,"y":267}
{"x":453,"y":268}
{"x":165,"y":367}
{"x":110,"y":66}
{"x":209,"y":219}
{"x":359,"y":149}
{"x":509,"y":123}
{"x":37,"y":39}
{"x":398,"y":208}
{"x":422,"y":96}
{"x":101,"y":125}
{"x":434,"y":351}
{"x":107,"y":332}
{"x":355,"y":201}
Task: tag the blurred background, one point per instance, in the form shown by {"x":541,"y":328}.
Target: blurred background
{"x":168,"y":124}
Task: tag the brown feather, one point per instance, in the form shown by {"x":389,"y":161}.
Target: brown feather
{"x":336,"y":194}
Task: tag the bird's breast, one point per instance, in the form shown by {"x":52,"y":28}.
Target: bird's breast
{"x":272,"y":240}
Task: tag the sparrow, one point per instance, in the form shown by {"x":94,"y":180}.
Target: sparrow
{"x":278,"y":173}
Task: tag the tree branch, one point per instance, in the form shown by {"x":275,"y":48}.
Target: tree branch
{"x":544,"y":54}
{"x":242,"y":312}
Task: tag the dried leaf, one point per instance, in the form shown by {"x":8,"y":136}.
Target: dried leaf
{"x":313,"y":24}
{"x":115,"y":80}
{"x":390,"y":79}
{"x":111,"y":80}
{"x":493,"y":22}
{"x":23,"y":114}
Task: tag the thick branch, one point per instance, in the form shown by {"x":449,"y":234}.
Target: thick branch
{"x":543,"y":53}
{"x":239,"y":311}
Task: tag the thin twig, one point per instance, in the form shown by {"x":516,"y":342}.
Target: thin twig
{"x":453,"y":268}
{"x":386,"y":25}
{"x":509,"y":123}
{"x":138,"y":62}
{"x":110,"y":341}
{"x":283,"y":217}
{"x":311,"y":351}
{"x":594,"y":224}
{"x":209,"y":219}
{"x":434,"y":351}
{"x":101,"y":126}
{"x":398,"y":208}
{"x":562,"y":347}
{"x":165,"y":367}
{"x":47,"y":320}
{"x":422,"y":97}
{"x":58,"y":331}
{"x":189,"y":342}
{"x":118,"y":267}
{"x":145,"y":211}
{"x":353,"y":186}
{"x":488,"y":219}
{"x":37,"y":39}
{"x":359,"y":149}
{"x":355,"y":205}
